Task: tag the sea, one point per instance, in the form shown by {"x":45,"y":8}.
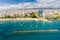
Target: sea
{"x":7,"y":27}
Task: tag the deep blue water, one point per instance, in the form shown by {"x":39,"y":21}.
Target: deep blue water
{"x":8,"y":27}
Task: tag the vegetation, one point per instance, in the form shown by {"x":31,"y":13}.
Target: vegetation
{"x":33,"y":15}
{"x":57,"y":17}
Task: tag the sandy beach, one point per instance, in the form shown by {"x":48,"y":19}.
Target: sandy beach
{"x":36,"y":19}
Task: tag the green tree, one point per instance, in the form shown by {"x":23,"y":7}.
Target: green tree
{"x":33,"y":15}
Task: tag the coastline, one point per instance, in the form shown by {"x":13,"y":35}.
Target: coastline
{"x":21,"y":19}
{"x":35,"y":19}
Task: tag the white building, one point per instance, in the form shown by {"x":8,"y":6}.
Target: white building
{"x":19,"y":12}
{"x":50,"y":12}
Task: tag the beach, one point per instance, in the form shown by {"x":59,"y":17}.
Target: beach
{"x":22,"y":19}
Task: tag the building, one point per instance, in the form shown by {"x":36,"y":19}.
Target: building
{"x":21,"y":12}
{"x":50,"y":13}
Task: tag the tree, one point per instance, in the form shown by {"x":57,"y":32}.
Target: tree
{"x":33,"y":15}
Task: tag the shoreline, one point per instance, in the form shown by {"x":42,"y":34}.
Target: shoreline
{"x":23,"y":19}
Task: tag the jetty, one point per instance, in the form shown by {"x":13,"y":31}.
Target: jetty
{"x":23,"y":31}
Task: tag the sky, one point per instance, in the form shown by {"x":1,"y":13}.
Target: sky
{"x":18,"y":4}
{"x":3,"y":2}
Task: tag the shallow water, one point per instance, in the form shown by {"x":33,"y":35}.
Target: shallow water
{"x":8,"y":27}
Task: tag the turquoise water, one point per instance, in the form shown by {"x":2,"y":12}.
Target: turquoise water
{"x":8,"y":27}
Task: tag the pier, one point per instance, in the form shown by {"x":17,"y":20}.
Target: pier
{"x":23,"y":31}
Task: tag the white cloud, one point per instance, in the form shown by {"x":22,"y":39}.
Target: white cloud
{"x":37,"y":4}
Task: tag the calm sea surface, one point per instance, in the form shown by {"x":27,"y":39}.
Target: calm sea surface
{"x":8,"y":27}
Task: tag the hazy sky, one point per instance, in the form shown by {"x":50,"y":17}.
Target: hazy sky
{"x":7,"y":4}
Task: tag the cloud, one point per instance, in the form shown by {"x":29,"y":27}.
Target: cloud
{"x":37,"y":4}
{"x":49,"y":3}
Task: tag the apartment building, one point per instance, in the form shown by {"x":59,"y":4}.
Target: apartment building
{"x":18,"y":12}
{"x":51,"y":12}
